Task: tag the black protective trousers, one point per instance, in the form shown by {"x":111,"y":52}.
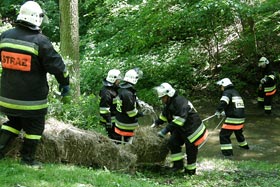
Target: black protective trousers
{"x":30,"y":125}
{"x":177,"y":139}
{"x":225,"y":135}
{"x":267,"y":101}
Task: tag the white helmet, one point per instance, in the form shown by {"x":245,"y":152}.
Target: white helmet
{"x":165,"y":89}
{"x":132,"y":76}
{"x":31,"y":12}
{"x":263,"y":62}
{"x":224,"y":82}
{"x":113,"y":75}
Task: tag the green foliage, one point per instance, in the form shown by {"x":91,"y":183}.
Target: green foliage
{"x":4,"y":27}
{"x":212,"y":172}
{"x":164,"y":38}
{"x":190,"y":44}
{"x":267,"y":29}
{"x":50,"y":25}
{"x":83,"y":114}
{"x":8,"y":10}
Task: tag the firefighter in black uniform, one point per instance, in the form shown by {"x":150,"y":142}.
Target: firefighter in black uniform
{"x":108,"y":102}
{"x":26,"y":58}
{"x":185,"y":127}
{"x":232,"y":107}
{"x":267,"y":86}
{"x":127,"y":112}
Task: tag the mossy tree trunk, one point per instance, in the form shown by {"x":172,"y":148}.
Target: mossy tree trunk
{"x":69,"y":37}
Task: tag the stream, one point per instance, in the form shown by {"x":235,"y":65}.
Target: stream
{"x":261,"y":132}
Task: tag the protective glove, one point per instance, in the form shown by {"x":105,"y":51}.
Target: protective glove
{"x":162,"y":133}
{"x":65,"y":93}
{"x":157,"y":122}
{"x":220,"y":114}
{"x":64,"y":90}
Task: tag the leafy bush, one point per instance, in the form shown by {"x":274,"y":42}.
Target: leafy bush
{"x":83,"y":114}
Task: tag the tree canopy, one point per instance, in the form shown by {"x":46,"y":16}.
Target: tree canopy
{"x":188,"y":43}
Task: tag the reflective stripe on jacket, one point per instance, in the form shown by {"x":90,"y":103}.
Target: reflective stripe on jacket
{"x":126,"y":116}
{"x":108,"y":103}
{"x":26,"y":57}
{"x":181,"y":116}
{"x":232,"y":103}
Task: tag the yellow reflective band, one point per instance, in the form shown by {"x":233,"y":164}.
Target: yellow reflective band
{"x":197,"y":133}
{"x":104,"y":110}
{"x":177,"y":156}
{"x":243,"y":143}
{"x":10,"y":129}
{"x":18,"y":44}
{"x":132,"y":113}
{"x":225,"y":99}
{"x":191,"y":166}
{"x":162,"y":117}
{"x":119,"y":104}
{"x":260,"y":99}
{"x":269,"y":89}
{"x":178,"y":120}
{"x":115,"y":101}
{"x":32,"y":136}
{"x":235,"y":120}
{"x":226,"y":146}
{"x":23,"y":107}
{"x":267,"y":107}
{"x":130,"y":126}
{"x":271,"y":76}
{"x":113,"y":119}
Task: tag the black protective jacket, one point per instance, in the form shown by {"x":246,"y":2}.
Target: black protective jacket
{"x":108,"y":102}
{"x":180,"y":115}
{"x":26,"y":58}
{"x":269,"y":85}
{"x":127,"y":109}
{"x":232,"y":103}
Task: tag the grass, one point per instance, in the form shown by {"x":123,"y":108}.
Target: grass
{"x":210,"y":173}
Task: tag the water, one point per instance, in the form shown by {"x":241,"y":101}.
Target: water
{"x":261,"y":132}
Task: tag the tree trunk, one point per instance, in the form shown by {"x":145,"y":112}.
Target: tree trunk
{"x":69,"y":37}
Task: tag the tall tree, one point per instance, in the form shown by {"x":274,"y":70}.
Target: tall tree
{"x":69,"y":37}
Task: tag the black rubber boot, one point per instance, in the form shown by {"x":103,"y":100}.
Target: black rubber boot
{"x":28,"y":153}
{"x":245,"y":147}
{"x":178,"y":166}
{"x":190,"y":171}
{"x":227,"y":152}
{"x":5,"y":138}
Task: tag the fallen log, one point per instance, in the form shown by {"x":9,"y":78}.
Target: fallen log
{"x":65,"y":143}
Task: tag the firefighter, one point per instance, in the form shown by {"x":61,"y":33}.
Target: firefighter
{"x":108,"y":95}
{"x":26,"y":58}
{"x":127,"y":112}
{"x":185,"y":127}
{"x":267,"y":86}
{"x":232,"y":107}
